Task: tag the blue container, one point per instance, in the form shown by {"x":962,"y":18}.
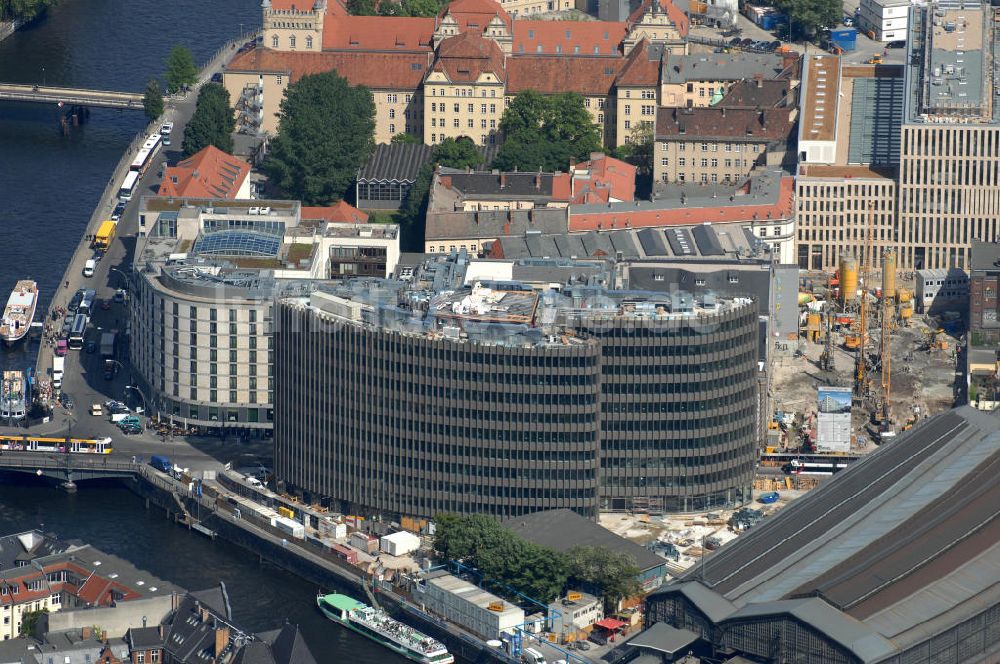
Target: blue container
{"x":771,"y":21}
{"x":768,"y":498}
{"x":845,"y":38}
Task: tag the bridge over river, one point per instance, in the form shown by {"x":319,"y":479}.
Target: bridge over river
{"x":67,"y":469}
{"x":49,"y":94}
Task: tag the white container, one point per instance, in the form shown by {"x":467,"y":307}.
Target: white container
{"x":399,"y":544}
{"x":290,"y":527}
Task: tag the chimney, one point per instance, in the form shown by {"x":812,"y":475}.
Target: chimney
{"x":503,"y":180}
{"x":723,"y":111}
{"x":203,"y":612}
{"x":86,"y":632}
{"x":538,"y":181}
{"x":759,"y":80}
{"x":221,"y":639}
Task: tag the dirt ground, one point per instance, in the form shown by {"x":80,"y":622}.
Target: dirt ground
{"x":923,"y":380}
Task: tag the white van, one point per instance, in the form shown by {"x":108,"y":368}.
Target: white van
{"x":532,"y":656}
{"x":88,"y":267}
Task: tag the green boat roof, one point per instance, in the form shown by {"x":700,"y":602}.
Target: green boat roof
{"x":342,"y":602}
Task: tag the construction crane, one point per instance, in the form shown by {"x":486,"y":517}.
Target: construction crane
{"x":888,"y":295}
{"x":864,"y":263}
{"x":826,"y":359}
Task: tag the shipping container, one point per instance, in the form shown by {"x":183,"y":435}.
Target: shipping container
{"x":400,"y":544}
{"x":290,"y":527}
{"x":844,"y":38}
{"x":364,"y":543}
{"x":344,"y":553}
{"x":286,"y":512}
{"x":333,"y":529}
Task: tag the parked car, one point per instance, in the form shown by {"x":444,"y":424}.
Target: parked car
{"x":66,"y":400}
{"x":119,"y":295}
{"x":105,"y":304}
{"x":735,"y":41}
{"x":849,"y":21}
{"x":746,"y":41}
{"x":901,"y":43}
{"x":119,"y":210}
{"x":166,"y":128}
{"x":116,"y":407}
{"x":217,"y":77}
{"x":91,"y":347}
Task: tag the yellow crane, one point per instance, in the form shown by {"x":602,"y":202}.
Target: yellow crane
{"x":863,"y":269}
{"x":888,"y":295}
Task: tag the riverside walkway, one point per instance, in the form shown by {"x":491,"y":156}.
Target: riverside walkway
{"x":49,"y":94}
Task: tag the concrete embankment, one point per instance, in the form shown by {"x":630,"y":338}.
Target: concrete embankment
{"x":7,"y":28}
{"x":299,"y":559}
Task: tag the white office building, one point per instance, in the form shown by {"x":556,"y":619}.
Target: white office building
{"x":884,"y":20}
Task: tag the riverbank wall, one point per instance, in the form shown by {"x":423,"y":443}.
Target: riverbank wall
{"x":7,"y":28}
{"x":297,"y":558}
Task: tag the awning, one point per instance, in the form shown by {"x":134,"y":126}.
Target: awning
{"x":610,"y":624}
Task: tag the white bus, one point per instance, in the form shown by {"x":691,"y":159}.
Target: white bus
{"x":128,"y":187}
{"x":144,"y":158}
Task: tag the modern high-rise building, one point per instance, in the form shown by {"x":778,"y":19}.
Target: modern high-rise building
{"x":444,"y":394}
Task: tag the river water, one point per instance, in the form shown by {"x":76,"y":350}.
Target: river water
{"x":49,"y":186}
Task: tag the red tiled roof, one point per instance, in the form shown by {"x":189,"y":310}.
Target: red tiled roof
{"x":380,"y":71}
{"x":475,"y":15}
{"x":781,"y":209}
{"x":209,"y":173}
{"x":378,"y":33}
{"x":339,"y":212}
{"x":552,"y":75}
{"x":568,"y":37}
{"x":333,"y":7}
{"x":674,"y":13}
{"x":639,"y":69}
{"x":608,"y":177}
{"x":467,"y":56}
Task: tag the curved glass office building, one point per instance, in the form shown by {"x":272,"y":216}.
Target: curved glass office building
{"x":418,"y":398}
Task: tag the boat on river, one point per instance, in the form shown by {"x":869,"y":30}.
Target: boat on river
{"x":19,"y":312}
{"x":13,"y":403}
{"x":380,"y":627}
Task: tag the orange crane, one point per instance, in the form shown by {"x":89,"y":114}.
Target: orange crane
{"x":864,"y":263}
{"x":888,"y":285}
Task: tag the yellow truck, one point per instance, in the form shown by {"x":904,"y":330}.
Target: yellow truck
{"x":105,"y":234}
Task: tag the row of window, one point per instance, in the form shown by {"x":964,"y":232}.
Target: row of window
{"x":463,"y":92}
{"x":276,"y":42}
{"x":705,"y":163}
{"x":441,"y":108}
{"x":455,"y":123}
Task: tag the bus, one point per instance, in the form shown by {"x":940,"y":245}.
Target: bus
{"x":144,"y":158}
{"x":128,"y":187}
{"x":86,"y":301}
{"x":77,"y":332}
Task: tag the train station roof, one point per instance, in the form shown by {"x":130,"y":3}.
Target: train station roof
{"x":902,"y":546}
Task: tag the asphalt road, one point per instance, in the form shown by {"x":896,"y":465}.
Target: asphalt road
{"x":84,"y":375}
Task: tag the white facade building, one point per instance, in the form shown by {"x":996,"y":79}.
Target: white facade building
{"x":941,"y":289}
{"x":884,"y":20}
{"x":468,"y":605}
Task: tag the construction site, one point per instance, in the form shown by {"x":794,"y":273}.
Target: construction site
{"x":859,"y":329}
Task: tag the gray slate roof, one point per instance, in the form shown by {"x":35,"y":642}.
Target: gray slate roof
{"x":400,"y":162}
{"x":663,"y":637}
{"x":493,"y":223}
{"x":563,"y":529}
{"x":985,"y":256}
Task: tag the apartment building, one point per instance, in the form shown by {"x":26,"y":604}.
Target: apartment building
{"x":884,"y":20}
{"x":453,"y":75}
{"x":718,"y":144}
{"x":703,"y":79}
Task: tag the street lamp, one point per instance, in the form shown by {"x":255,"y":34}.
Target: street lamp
{"x":124,"y":275}
{"x":43,"y":76}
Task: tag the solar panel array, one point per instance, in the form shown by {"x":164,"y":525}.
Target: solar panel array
{"x":238,"y":243}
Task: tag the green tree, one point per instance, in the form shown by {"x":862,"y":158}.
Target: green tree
{"x":543,"y":132}
{"x":613,"y":572}
{"x":181,"y":70}
{"x":458,"y":152}
{"x":152,"y":101}
{"x":406,"y":138}
{"x":29,"y":620}
{"x":325,"y":133}
{"x":809,"y":16}
{"x":212,"y":123}
{"x":361,"y":7}
{"x":24,"y":10}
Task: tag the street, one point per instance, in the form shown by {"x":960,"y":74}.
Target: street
{"x":84,"y":379}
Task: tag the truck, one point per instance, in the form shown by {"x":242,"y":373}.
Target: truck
{"x":161,"y":463}
{"x":105,"y":234}
{"x":58,"y":368}
{"x":109,"y":343}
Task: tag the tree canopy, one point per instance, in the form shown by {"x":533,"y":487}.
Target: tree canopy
{"x":181,"y":70}
{"x":480,"y":542}
{"x":809,"y":16}
{"x":23,"y":10}
{"x":152,"y":101}
{"x":426,"y":8}
{"x":325,"y":133}
{"x":543,"y":132}
{"x":212,"y":123}
{"x":458,"y":152}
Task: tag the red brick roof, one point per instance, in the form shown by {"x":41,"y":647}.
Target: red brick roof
{"x":209,"y":173}
{"x":673,"y":216}
{"x":746,"y":124}
{"x":467,"y":56}
{"x":475,"y":15}
{"x":553,"y":74}
{"x":568,"y":37}
{"x":608,"y":177}
{"x":642,"y":67}
{"x":380,"y":71}
{"x":339,"y":212}
{"x":674,"y":13}
{"x":378,"y":33}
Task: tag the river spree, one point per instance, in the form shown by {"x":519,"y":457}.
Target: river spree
{"x":49,"y":186}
